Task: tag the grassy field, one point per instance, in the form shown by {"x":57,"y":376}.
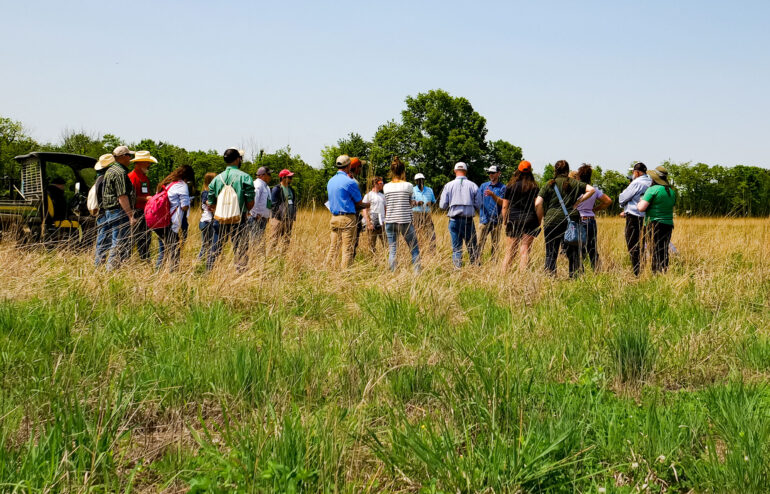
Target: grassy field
{"x":298,"y":377}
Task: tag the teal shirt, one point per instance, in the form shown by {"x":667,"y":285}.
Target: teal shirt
{"x":661,"y":208}
{"x":241,"y":182}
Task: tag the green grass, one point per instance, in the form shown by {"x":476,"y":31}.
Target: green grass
{"x":439,"y":384}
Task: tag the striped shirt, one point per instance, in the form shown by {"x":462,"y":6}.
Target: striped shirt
{"x":398,"y":202}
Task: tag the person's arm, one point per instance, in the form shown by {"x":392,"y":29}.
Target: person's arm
{"x":588,"y":193}
{"x":603,"y":202}
{"x":642,"y":205}
{"x":248,"y":192}
{"x":628,"y":193}
{"x":445,"y":196}
{"x":506,"y":206}
{"x":367,"y":218}
{"x":126,"y":205}
{"x":498,"y":200}
{"x":539,"y":210}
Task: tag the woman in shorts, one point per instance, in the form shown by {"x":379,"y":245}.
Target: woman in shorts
{"x":521,"y":222}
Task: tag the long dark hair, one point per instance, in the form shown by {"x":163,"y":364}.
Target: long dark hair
{"x":184,"y":173}
{"x":560,"y":169}
{"x":527,"y":180}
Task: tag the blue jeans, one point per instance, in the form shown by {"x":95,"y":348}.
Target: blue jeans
{"x":239,"y":235}
{"x":120,"y":230}
{"x":463,"y":230}
{"x":406,"y":230}
{"x":169,"y":247}
{"x":208,"y":230}
{"x":103,"y":240}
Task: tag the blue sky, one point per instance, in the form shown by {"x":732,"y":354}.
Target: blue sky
{"x":600,"y":82}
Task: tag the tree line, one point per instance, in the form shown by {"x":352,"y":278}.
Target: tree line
{"x":434,"y":131}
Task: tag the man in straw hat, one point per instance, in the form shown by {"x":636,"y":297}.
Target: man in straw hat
{"x":138,"y":176}
{"x":344,"y":203}
{"x":118,"y":200}
{"x":629,"y":199}
{"x":102,"y":232}
{"x":658,"y":205}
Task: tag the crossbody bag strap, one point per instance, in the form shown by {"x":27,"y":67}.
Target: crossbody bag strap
{"x":561,"y":201}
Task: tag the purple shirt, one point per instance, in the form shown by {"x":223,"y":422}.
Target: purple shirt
{"x":586,"y":208}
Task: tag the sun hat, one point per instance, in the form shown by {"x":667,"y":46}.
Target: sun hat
{"x":121,"y":150}
{"x":491,"y":169}
{"x":461,"y":166}
{"x":285,"y":173}
{"x":343,"y":161}
{"x":263,"y":170}
{"x":104,"y":161}
{"x":525,"y":166}
{"x":143,"y":156}
{"x":660,"y":176}
{"x":419,"y":176}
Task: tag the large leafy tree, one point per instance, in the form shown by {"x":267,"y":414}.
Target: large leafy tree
{"x":439,"y":130}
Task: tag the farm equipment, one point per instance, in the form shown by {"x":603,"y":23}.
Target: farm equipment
{"x":30,"y":212}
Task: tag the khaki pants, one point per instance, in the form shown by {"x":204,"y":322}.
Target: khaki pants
{"x":378,"y":234}
{"x":343,"y":231}
{"x":280,"y":234}
{"x":493,"y":230}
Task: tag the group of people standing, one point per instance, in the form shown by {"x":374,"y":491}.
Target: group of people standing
{"x":242,"y":209}
{"x":249,"y":206}
{"x":521,"y":207}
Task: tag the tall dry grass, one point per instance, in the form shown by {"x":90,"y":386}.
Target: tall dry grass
{"x":298,"y":375}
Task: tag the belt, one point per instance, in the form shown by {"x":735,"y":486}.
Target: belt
{"x":582,"y":218}
{"x":461,"y":217}
{"x":343,"y":214}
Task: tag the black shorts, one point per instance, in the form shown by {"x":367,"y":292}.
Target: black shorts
{"x":519,"y":228}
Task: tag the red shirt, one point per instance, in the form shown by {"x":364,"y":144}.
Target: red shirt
{"x":141,"y":186}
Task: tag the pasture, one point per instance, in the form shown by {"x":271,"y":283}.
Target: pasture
{"x":299,"y":377}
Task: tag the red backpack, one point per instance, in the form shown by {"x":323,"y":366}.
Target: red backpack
{"x":157,"y":212}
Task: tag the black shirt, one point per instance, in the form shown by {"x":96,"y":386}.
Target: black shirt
{"x":521,"y":204}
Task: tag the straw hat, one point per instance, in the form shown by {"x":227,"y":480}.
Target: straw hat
{"x":143,"y":156}
{"x":660,"y":176}
{"x":104,"y":161}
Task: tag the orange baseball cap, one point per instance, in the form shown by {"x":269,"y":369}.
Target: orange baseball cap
{"x":355,"y":162}
{"x":525,"y":166}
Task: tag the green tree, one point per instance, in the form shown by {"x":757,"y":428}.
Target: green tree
{"x":14,"y":141}
{"x":439,"y":130}
{"x":505,"y":156}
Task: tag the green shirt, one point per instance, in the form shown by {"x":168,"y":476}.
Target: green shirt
{"x":241,"y":182}
{"x":661,"y":208}
{"x":553,"y":212}
{"x":116,"y":184}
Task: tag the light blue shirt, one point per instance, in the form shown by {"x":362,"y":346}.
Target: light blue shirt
{"x":460,"y":198}
{"x":343,"y":194}
{"x":425,"y":196}
{"x":630,"y":197}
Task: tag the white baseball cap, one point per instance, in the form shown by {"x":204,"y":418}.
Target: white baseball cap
{"x":419,"y":176}
{"x":121,"y":150}
{"x":492,"y":169}
{"x":461,"y":166}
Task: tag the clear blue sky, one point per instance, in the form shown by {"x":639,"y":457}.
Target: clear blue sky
{"x":600,"y":82}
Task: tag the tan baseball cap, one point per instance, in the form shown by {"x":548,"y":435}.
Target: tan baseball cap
{"x":121,"y":150}
{"x":343,"y":160}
